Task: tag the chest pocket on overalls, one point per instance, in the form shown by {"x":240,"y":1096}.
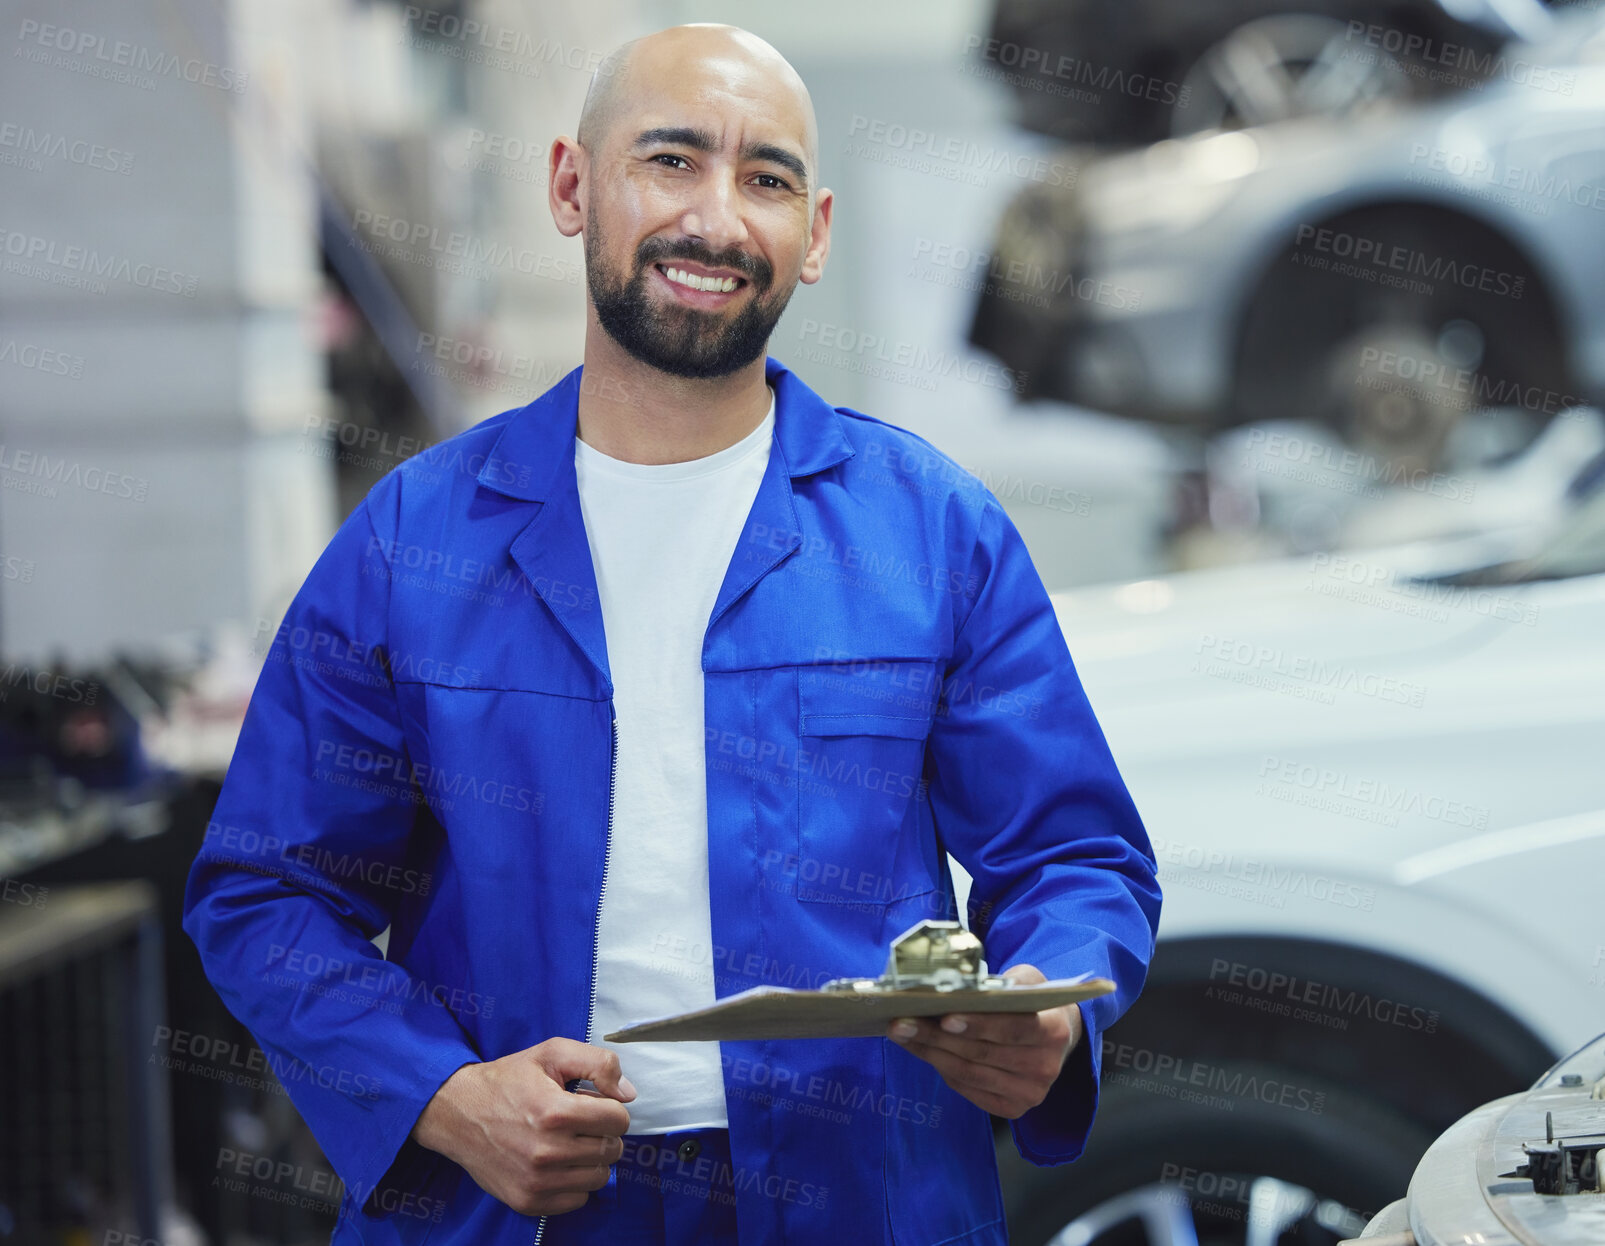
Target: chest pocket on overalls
{"x":862,"y":735}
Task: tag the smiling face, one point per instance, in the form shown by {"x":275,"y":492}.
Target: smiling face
{"x":701,"y":215}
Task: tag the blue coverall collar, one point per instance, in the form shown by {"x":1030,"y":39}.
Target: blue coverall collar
{"x":529,"y":458}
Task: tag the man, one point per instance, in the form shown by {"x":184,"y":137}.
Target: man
{"x":673,"y":683}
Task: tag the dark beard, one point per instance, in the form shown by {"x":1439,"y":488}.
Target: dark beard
{"x":682,"y":341}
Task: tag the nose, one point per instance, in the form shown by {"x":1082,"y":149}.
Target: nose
{"x":715,"y":211}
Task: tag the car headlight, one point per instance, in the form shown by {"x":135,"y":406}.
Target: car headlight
{"x":1173,"y":185}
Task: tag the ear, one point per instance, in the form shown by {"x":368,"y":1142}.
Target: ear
{"x":813,"y":266}
{"x":567,"y":165}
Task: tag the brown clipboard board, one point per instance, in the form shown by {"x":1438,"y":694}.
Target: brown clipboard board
{"x":782,"y":1012}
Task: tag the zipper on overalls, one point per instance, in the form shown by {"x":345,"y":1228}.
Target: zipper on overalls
{"x":596,"y":934}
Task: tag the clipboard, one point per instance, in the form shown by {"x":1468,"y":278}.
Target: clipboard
{"x":934,"y":968}
{"x":783,"y":1012}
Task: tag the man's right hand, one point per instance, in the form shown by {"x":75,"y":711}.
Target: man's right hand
{"x":523,"y":1138}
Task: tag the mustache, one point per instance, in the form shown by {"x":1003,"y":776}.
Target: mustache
{"x":658,"y":250}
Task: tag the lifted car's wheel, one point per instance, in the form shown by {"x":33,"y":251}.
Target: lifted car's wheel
{"x":1219,"y":1169}
{"x":1280,"y":67}
{"x":1395,"y":324}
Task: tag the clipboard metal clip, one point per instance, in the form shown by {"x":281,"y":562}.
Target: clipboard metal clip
{"x":936,"y":955}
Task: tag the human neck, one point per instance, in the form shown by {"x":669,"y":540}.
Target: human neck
{"x":631,"y":411}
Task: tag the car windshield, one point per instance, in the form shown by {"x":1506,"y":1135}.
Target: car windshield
{"x":1576,"y":38}
{"x":1576,"y":549}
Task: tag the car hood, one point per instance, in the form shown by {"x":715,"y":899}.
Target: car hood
{"x":1316,"y":621}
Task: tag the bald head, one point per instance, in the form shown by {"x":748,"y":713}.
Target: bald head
{"x":726,"y":58}
{"x":694,"y":178}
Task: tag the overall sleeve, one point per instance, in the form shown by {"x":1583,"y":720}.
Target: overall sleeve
{"x":303,"y":864}
{"x":1026,"y":796}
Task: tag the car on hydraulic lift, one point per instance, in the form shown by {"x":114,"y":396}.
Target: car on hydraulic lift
{"x":1386,"y":276}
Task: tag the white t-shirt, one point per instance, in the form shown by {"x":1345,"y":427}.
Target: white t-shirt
{"x":661,"y":538}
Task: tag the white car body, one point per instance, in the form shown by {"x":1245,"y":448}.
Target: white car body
{"x":1325,"y":749}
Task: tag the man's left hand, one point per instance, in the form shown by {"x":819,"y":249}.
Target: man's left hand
{"x":1002,"y":1062}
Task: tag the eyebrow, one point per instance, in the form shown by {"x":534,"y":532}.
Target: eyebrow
{"x":703,"y":140}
